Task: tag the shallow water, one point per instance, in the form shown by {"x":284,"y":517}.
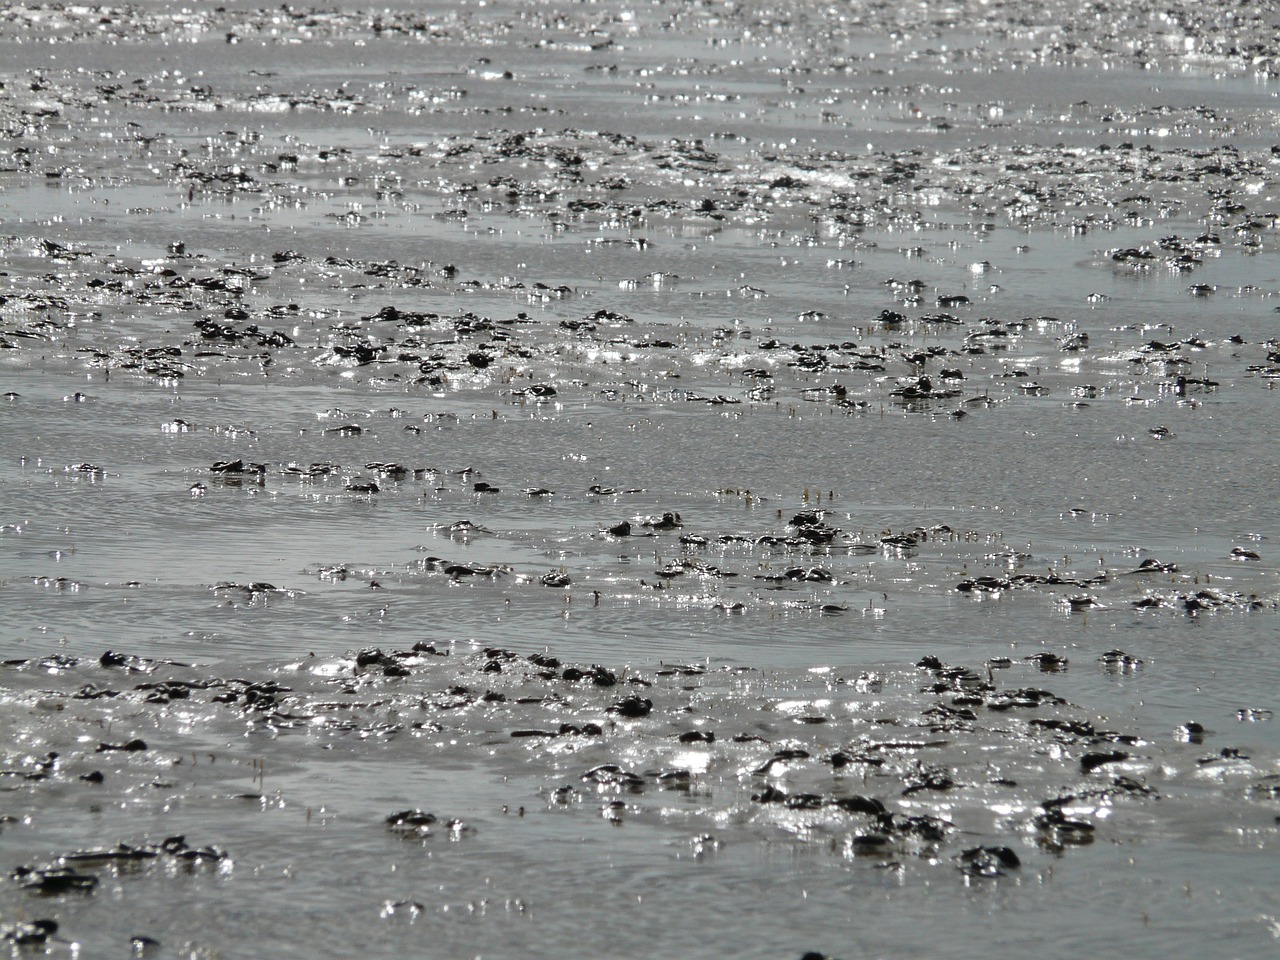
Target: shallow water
{"x":939,"y":298}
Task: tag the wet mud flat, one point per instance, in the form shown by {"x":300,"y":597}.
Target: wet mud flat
{"x":550,"y":482}
{"x":620,"y":790}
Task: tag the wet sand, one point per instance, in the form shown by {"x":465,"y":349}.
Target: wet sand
{"x":561,"y":482}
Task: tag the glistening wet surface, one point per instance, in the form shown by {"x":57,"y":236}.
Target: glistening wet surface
{"x":618,"y":480}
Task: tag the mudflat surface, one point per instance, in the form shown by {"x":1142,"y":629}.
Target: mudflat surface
{"x":541,"y":480}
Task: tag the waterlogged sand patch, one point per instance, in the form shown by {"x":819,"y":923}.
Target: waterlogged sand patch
{"x":932,"y":772}
{"x":547,"y":481}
